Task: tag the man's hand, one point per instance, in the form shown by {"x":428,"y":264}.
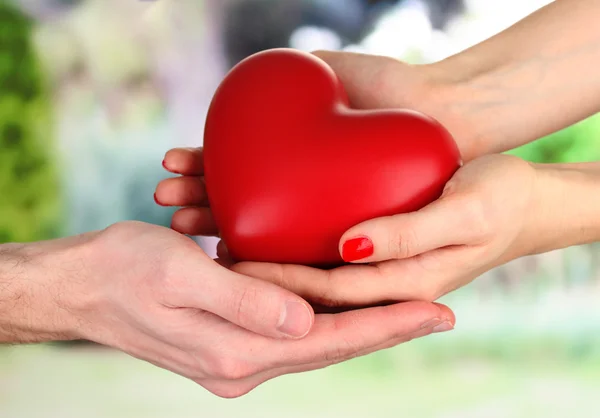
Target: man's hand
{"x":151,"y":292}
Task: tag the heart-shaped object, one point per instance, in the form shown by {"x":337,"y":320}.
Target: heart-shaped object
{"x":289,"y":166}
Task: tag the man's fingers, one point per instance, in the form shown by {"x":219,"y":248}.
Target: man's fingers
{"x":246,"y":359}
{"x":334,"y":338}
{"x":181,"y":191}
{"x":194,"y":221}
{"x":255,"y":305}
{"x":448,"y":221}
{"x":237,"y":388}
{"x":185,"y":161}
{"x":337,"y":337}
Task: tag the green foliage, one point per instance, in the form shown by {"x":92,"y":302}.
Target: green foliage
{"x":577,"y":143}
{"x":28,"y":183}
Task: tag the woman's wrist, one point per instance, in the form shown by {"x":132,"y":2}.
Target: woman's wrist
{"x":444,"y":97}
{"x":518,"y":85}
{"x":566,"y":207}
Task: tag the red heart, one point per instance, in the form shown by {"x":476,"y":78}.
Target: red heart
{"x":289,"y":167}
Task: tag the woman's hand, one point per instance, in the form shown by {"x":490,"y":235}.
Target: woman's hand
{"x":378,"y":82}
{"x":187,"y":191}
{"x":495,"y":209}
{"x":490,"y":212}
{"x":499,"y":94}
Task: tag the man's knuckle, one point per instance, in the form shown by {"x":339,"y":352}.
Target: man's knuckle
{"x":347,"y":347}
{"x":345,"y":351}
{"x":243,"y":302}
{"x":332,"y":355}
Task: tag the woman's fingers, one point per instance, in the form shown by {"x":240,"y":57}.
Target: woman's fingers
{"x":425,"y":278}
{"x":188,"y":191}
{"x":185,"y":161}
{"x":457,"y":220}
{"x":181,"y":191}
{"x":195,"y":221}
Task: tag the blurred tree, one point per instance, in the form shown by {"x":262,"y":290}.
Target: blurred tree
{"x":28,"y":184}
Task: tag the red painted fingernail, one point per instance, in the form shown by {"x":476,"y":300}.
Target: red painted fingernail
{"x":356,"y":249}
{"x":164,"y":164}
{"x":156,"y":200}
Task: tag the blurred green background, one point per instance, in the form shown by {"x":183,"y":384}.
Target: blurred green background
{"x":93,"y":92}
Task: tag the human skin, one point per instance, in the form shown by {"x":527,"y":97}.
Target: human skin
{"x":495,"y":209}
{"x":532,"y":79}
{"x":535,"y":78}
{"x":152,"y":293}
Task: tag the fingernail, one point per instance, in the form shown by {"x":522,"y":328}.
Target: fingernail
{"x":431,"y":323}
{"x":164,"y":164}
{"x":357,"y":249}
{"x":156,"y":200}
{"x":295,"y":320}
{"x":443,"y":327}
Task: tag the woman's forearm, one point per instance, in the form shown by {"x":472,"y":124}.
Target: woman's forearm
{"x":568,"y":206}
{"x":534,"y":78}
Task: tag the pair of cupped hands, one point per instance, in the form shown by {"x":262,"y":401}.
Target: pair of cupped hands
{"x":231,"y":327}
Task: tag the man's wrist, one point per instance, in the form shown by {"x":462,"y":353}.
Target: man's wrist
{"x":34,"y":295}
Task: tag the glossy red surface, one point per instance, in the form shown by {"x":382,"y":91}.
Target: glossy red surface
{"x":356,"y":249}
{"x":290,"y":167}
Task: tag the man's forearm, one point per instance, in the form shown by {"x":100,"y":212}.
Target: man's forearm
{"x":534,"y":78}
{"x":30,"y":301}
{"x":568,"y":210}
